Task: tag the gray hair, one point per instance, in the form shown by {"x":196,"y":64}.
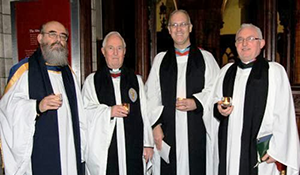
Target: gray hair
{"x":113,"y":33}
{"x":246,"y":25}
{"x":182,"y":11}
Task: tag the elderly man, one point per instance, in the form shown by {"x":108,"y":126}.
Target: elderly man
{"x":120,"y":136}
{"x":178,"y":89}
{"x":42,"y":119}
{"x":262,"y":112}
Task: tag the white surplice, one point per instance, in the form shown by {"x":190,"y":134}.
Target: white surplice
{"x":101,"y":127}
{"x":17,"y":118}
{"x":279,"y":119}
{"x":155,"y":106}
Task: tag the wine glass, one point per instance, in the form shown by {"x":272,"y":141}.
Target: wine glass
{"x":126,"y":106}
{"x":226,"y":102}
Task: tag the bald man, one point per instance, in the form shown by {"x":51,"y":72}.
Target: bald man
{"x":41,"y":111}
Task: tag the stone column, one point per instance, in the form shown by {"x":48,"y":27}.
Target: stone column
{"x":270,"y":29}
{"x":86,"y":37}
{"x":296,"y":67}
{"x":142,"y":38}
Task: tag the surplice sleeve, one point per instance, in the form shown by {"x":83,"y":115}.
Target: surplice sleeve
{"x":284,"y":145}
{"x":100,"y":127}
{"x":17,"y":119}
{"x":153,"y":91}
{"x":148,"y":137}
{"x":211,"y":72}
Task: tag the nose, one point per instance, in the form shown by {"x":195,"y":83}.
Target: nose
{"x":58,"y":39}
{"x":115,"y":51}
{"x":244,"y":43}
{"x":178,"y":28}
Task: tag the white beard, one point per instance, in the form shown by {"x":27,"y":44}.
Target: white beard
{"x":55,"y":56}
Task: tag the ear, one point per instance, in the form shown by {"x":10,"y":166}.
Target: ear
{"x":190,"y":28}
{"x":103,"y":51}
{"x":39,"y":38}
{"x":169,"y":29}
{"x":124,"y":51}
{"x":262,"y":43}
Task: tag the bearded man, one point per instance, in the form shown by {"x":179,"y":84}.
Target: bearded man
{"x":41,"y":111}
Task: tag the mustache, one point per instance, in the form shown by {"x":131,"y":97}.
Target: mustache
{"x":58,"y":43}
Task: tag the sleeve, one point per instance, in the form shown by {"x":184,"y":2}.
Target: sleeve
{"x":148,"y":137}
{"x":212,"y":123}
{"x":99,"y":123}
{"x":17,"y":119}
{"x":284,"y":145}
{"x":217,"y":114}
{"x":217,"y":92}
{"x":199,"y":107}
{"x":211,"y":72}
{"x":93,"y":108}
{"x":153,"y":91}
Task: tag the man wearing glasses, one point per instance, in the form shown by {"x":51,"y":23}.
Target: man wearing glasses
{"x":178,"y":90}
{"x":41,"y":112}
{"x":258,"y":132}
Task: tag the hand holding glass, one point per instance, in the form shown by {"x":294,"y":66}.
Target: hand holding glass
{"x":59,"y":96}
{"x":126,"y":106}
{"x":226,"y":102}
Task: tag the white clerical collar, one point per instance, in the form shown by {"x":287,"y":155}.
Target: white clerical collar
{"x":115,"y":73}
{"x":247,"y":62}
{"x":115,"y":70}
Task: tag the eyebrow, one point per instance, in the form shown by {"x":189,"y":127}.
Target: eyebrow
{"x":115,"y":46}
{"x":53,"y":31}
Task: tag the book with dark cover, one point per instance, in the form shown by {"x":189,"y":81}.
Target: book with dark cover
{"x":262,"y":146}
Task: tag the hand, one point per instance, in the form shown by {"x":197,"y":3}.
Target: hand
{"x":187,"y":104}
{"x":119,"y":111}
{"x":148,"y":154}
{"x":225,"y":112}
{"x":158,"y":135}
{"x":50,"y":102}
{"x":268,"y":159}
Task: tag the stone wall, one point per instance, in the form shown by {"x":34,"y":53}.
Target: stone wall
{"x":94,"y":34}
{"x":5,"y":43}
{"x":6,"y":60}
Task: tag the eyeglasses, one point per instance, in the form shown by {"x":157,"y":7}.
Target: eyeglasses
{"x":176,"y":25}
{"x":54,"y":35}
{"x":248,"y":39}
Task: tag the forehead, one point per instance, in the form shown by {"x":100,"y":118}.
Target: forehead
{"x":179,"y":16}
{"x":248,"y":31}
{"x":55,"y":26}
{"x":114,"y":40}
